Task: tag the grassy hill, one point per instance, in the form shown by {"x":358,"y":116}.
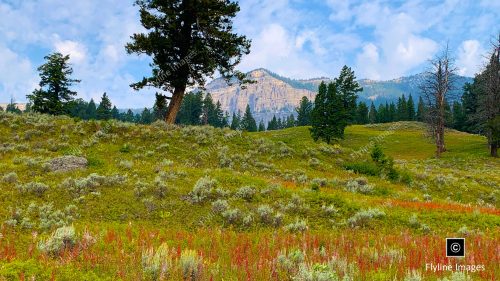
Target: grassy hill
{"x":163,"y":202}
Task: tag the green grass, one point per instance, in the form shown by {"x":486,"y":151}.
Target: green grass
{"x":460,"y":189}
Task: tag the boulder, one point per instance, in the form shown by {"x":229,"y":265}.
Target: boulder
{"x":67,"y":163}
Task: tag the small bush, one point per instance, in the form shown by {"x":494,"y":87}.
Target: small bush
{"x":61,"y":239}
{"x":246,"y":193}
{"x":125,"y":164}
{"x":156,"y":265}
{"x":232,"y":216}
{"x":10,"y":178}
{"x":191,"y":265}
{"x":329,"y":210}
{"x":359,"y":185}
{"x":362,"y":218}
{"x":220,"y":206}
{"x":202,"y":190}
{"x":33,"y":187}
{"x":297,"y":226}
{"x":364,"y":168}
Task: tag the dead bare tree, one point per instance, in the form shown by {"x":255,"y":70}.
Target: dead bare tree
{"x":436,"y":86}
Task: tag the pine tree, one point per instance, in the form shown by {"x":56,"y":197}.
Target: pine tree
{"x":290,"y":121}
{"x":188,"y":41}
{"x":347,"y":88}
{"x":262,"y":127}
{"x":304,"y":112}
{"x":236,"y":121}
{"x":146,"y":116}
{"x":160,"y":107}
{"x":273,"y":124}
{"x":209,"y":113}
{"x":91,"y":112}
{"x":103,"y":111}
{"x":248,"y":122}
{"x":393,"y":115}
{"x":55,"y":82}
{"x":470,"y":105}
{"x":279,"y":125}
{"x":373,"y":114}
{"x":191,"y":109}
{"x":362,"y":114}
{"x":421,"y":110}
{"x":12,"y":107}
{"x":115,"y":114}
{"x":458,"y":116}
{"x":220,"y":121}
{"x":129,"y":116}
{"x":411,"y":109}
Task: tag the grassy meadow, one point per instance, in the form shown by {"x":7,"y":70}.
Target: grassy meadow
{"x":163,"y":202}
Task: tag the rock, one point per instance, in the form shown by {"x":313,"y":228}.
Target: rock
{"x":67,"y":163}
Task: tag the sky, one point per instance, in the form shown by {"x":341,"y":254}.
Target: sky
{"x":380,"y":40}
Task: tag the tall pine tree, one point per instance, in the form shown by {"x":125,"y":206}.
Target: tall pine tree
{"x":248,"y":122}
{"x":103,"y":111}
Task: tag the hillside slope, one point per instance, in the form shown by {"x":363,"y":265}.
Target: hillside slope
{"x":238,"y":200}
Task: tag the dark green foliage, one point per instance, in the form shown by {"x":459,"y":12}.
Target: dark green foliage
{"x":365,"y":168}
{"x":248,"y":122}
{"x":128,"y":116}
{"x":411,"y":109}
{"x":160,"y":107}
{"x":103,"y":112}
{"x":55,"y":82}
{"x":115,"y":114}
{"x":304,"y":112}
{"x":146,"y":116}
{"x":191,"y":109}
{"x":421,"y":110}
{"x":235,"y":122}
{"x":262,"y":127}
{"x":372,"y":116}
{"x":12,"y":107}
{"x":273,"y":124}
{"x":347,"y":88}
{"x":459,"y":118}
{"x":91,"y":111}
{"x":188,"y":41}
{"x":290,"y":121}
{"x":362,"y":114}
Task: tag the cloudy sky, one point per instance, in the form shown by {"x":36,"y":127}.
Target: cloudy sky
{"x":295,"y":38}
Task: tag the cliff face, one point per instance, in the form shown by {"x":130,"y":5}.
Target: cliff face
{"x":268,"y":96}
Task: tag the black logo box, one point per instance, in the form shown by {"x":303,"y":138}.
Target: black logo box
{"x":455,"y":247}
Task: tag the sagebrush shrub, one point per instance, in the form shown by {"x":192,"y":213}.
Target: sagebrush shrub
{"x":61,"y":239}
{"x":246,"y":193}
{"x":10,"y":178}
{"x":156,"y":265}
{"x":36,"y":188}
{"x":191,"y":265}
{"x":202,"y":190}
{"x":297,"y":226}
{"x":362,"y":218}
{"x":220,"y":206}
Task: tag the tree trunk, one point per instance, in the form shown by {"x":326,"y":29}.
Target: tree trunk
{"x":493,"y":150}
{"x":175,"y":104}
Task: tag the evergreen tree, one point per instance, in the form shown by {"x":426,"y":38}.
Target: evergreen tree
{"x":382,"y":114}
{"x":279,"y":125}
{"x":103,"y":111}
{"x":248,"y":122}
{"x":393,"y":115}
{"x":129,"y":116}
{"x":160,"y":107}
{"x":402,"y":110}
{"x":373,"y":114}
{"x":411,"y":109}
{"x":55,"y":82}
{"x":209,"y":113}
{"x":421,"y":110}
{"x":77,"y":108}
{"x":219,"y":116}
{"x":137,"y":118}
{"x":12,"y":107}
{"x":362,"y":114}
{"x":188,"y":41}
{"x":91,"y":112}
{"x":304,"y":112}
{"x":115,"y":114}
{"x":458,"y":116}
{"x":273,"y":124}
{"x":146,"y":116}
{"x":347,"y":88}
{"x":262,"y":127}
{"x":191,"y":109}
{"x":235,"y":122}
{"x":290,"y":121}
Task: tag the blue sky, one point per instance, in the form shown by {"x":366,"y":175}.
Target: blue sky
{"x":294,"y":38}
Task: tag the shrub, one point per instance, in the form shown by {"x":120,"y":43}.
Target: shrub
{"x":191,"y":265}
{"x":246,"y":193}
{"x":413,"y":221}
{"x":61,"y":239}
{"x":296,"y":204}
{"x":362,"y":218}
{"x":364,"y":168}
{"x":156,"y":265}
{"x":297,"y":226}
{"x":126,"y":164}
{"x":10,"y":178}
{"x":232,"y":216}
{"x":329,"y":210}
{"x":248,"y":220}
{"x":36,"y":188}
{"x":266,"y":214}
{"x":316,"y":272}
{"x":220,"y":206}
{"x":457,"y":276}
{"x":359,"y":185}
{"x":50,"y":218}
{"x":202,"y":190}
{"x":413,"y":275}
{"x":314,"y":162}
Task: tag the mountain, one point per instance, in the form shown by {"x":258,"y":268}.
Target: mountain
{"x":273,"y":94}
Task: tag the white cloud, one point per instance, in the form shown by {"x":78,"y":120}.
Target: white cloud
{"x":17,"y":76}
{"x":76,"y":50}
{"x":470,"y":57}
